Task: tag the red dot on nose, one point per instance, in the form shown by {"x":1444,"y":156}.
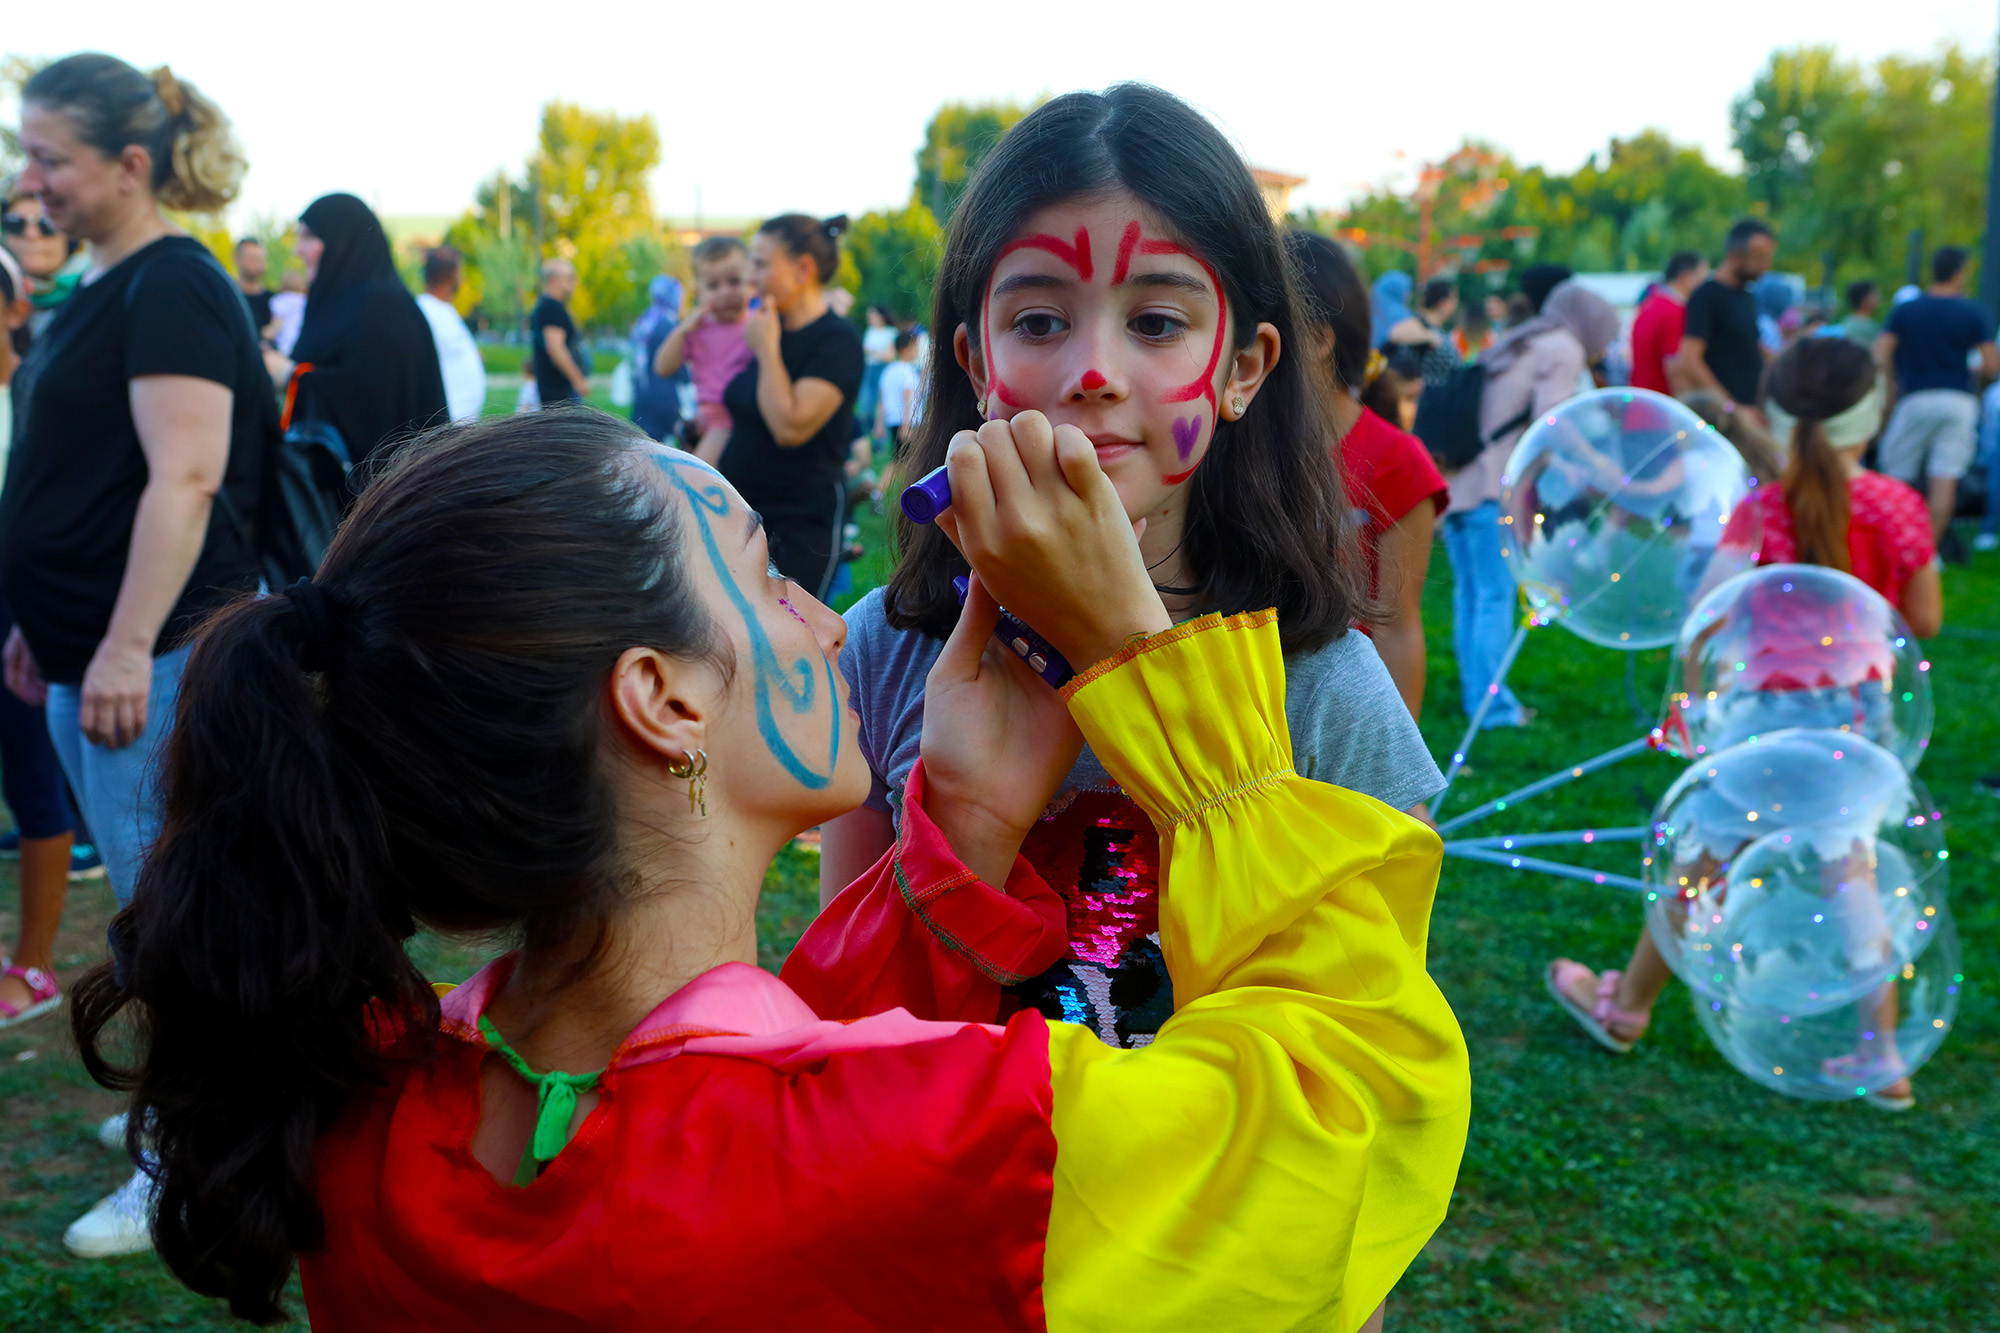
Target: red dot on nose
{"x":1092,"y":381}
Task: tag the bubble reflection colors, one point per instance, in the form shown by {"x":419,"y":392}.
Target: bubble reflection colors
{"x":1796,"y":646}
{"x":1884,"y":1034}
{"x":1613,"y":510}
{"x":1732,"y":898}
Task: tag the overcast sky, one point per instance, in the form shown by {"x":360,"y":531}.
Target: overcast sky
{"x":775,"y":106}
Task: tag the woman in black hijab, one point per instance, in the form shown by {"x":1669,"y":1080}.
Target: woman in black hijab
{"x":364,"y":362}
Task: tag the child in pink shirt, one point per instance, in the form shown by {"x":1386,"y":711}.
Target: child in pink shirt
{"x":709,"y":342}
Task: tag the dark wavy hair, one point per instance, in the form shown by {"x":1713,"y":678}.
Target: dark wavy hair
{"x":1268,"y":522}
{"x":428,"y":751}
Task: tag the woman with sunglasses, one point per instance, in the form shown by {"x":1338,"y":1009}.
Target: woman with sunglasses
{"x":50,"y":261}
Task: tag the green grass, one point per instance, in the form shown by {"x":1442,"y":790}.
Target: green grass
{"x":503,"y":358}
{"x":1662,"y":1189}
{"x":1657,"y":1191}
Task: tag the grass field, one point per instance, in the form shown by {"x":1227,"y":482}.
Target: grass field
{"x":1658,"y":1191}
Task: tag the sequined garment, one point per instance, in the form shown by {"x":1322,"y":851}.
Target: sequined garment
{"x":1099,"y":851}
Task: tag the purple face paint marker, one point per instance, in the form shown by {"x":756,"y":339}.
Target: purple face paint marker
{"x":927,"y":497}
{"x":1025,"y":644}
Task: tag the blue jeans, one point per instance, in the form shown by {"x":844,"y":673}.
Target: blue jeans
{"x":115,"y":787}
{"x":1483,"y":615}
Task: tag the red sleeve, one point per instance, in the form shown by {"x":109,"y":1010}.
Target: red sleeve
{"x":920,"y":932}
{"x":1389,"y":472}
{"x":1742,"y":530}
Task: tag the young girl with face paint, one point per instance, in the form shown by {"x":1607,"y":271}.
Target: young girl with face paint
{"x":1112,"y":275}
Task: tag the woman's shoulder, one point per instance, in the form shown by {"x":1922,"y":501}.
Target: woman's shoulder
{"x":1378,"y":442}
{"x":1387,"y":469}
{"x":180,"y":265}
{"x":1886,"y":492}
{"x":836,"y":328}
{"x":1896,"y":510}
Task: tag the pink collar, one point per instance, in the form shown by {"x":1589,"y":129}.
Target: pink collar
{"x":734,"y":999}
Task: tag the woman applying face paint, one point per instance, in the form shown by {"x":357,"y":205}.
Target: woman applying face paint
{"x":546,"y":685}
{"x":1112,"y":273}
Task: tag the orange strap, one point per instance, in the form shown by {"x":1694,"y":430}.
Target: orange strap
{"x":292,"y":392}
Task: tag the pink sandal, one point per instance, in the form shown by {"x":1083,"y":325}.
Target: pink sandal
{"x":43,"y":995}
{"x":1599,"y":1019}
{"x":1854,"y":1069}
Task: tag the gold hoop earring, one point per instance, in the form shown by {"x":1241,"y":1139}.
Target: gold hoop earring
{"x":694,"y":768}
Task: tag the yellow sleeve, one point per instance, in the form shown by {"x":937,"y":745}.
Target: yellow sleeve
{"x":1285,"y":1147}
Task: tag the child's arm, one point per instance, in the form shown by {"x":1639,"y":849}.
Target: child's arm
{"x":673,"y":352}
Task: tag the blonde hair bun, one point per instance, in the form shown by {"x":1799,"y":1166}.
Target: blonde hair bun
{"x":207,"y":163}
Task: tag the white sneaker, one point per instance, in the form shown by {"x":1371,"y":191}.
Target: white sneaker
{"x":1986,"y":541}
{"x":112,"y":1132}
{"x":121,"y":1223}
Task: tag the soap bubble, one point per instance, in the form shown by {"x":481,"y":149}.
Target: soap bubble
{"x":1805,"y":920}
{"x":1796,"y":646}
{"x":1879,"y":1036}
{"x":1794,"y":870}
{"x":1613,"y":507}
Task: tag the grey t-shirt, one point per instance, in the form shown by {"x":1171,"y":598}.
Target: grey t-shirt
{"x":1349,"y":726}
{"x":1095,"y":847}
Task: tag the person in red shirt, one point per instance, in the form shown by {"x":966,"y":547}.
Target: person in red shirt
{"x":1395,"y":488}
{"x":1829,"y":511}
{"x":1656,"y":331}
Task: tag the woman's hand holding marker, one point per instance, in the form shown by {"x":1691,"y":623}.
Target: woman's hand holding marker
{"x":1045,"y":531}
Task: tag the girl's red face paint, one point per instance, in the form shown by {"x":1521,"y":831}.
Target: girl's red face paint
{"x":1098,"y":318}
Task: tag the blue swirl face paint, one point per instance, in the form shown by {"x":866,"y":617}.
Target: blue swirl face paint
{"x":796,"y":685}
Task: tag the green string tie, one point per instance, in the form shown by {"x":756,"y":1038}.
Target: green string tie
{"x":555,"y":1096}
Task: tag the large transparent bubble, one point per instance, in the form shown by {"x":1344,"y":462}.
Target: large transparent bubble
{"x":1881,"y":1035}
{"x":1613,"y":507}
{"x":1796,"y":646}
{"x":1796,"y":870}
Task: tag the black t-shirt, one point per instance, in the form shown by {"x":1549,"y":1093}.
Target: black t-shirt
{"x":76,"y":470}
{"x":1935,"y":336}
{"x":551,"y":383}
{"x":806,"y":479}
{"x":260,"y":308}
{"x":1725,"y":318}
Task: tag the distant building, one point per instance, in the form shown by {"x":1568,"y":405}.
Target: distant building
{"x":1277,"y":189}
{"x":691,"y":232}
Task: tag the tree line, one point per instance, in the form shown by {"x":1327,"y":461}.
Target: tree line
{"x":1846,"y":159}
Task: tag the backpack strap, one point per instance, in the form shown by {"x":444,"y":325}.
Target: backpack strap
{"x":1527,"y":415}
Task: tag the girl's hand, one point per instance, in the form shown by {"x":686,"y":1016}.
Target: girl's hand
{"x":24,"y":674}
{"x":112,"y":703}
{"x":1035,"y":515}
{"x":695,"y":316}
{"x":996,"y":743}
